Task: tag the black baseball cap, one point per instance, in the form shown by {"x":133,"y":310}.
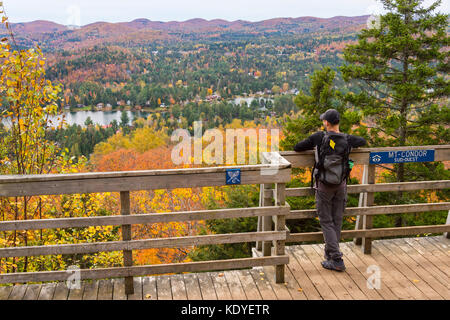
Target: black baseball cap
{"x":331,"y":115}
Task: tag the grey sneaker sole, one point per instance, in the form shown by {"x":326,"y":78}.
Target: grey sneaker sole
{"x":330,"y":267}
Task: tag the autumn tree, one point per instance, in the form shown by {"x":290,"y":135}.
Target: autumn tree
{"x":30,"y":103}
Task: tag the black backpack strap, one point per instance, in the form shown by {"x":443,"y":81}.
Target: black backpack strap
{"x":317,"y":160}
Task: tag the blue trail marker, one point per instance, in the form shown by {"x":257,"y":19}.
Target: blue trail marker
{"x":233,"y":176}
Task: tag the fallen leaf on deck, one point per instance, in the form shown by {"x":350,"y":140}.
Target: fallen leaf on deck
{"x":300,"y":290}
{"x":148,"y":296}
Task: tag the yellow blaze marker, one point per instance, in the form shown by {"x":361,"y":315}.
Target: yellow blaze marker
{"x":332,"y":144}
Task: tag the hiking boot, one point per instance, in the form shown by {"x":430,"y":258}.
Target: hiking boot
{"x":337,"y":265}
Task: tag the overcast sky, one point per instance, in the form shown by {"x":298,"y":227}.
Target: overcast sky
{"x":83,"y":12}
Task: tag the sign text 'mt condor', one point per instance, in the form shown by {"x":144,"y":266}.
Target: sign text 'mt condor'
{"x":402,"y":156}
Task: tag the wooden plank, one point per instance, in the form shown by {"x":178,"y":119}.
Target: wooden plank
{"x":221,"y":286}
{"x":32,"y":292}
{"x":305,"y":286}
{"x":192,"y":286}
{"x":344,"y":278}
{"x":441,"y":242}
{"x":375,"y":210}
{"x":90,"y":290}
{"x":357,"y":270}
{"x":280,"y":289}
{"x":373,"y":233}
{"x":137,"y":285}
{"x":412,"y":272}
{"x":312,"y":274}
{"x":379,"y":187}
{"x":361,"y":155}
{"x":398,"y":274}
{"x":5,"y":292}
{"x":77,"y":293}
{"x":127,"y":246}
{"x":47,"y":291}
{"x":119,"y":289}
{"x":105,"y":289}
{"x":163,"y":287}
{"x":291,"y":284}
{"x":4,"y":179}
{"x":263,"y":284}
{"x":427,"y":271}
{"x":235,"y":286}
{"x":11,"y":186}
{"x":145,"y":270}
{"x":390,"y":277}
{"x":149,"y":291}
{"x":431,"y":253}
{"x":339,"y":290}
{"x":141,"y":218}
{"x":206,"y":286}
{"x":178,"y":287}
{"x":61,"y":291}
{"x":250,"y":288}
{"x":17,"y":292}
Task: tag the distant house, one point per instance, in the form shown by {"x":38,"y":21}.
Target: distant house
{"x":67,"y":107}
{"x":162,"y":105}
{"x":100,"y":106}
{"x":80,"y":105}
{"x":108,"y":107}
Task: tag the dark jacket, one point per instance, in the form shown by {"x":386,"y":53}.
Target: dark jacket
{"x":316,"y":139}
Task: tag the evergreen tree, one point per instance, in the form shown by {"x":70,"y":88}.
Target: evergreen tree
{"x":402,"y":71}
{"x":322,"y":96}
{"x":401,"y":68}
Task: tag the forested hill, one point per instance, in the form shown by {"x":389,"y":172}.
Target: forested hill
{"x":51,"y":35}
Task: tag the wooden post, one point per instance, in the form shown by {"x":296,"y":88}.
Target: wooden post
{"x":447,"y":234}
{"x":362,"y":203}
{"x":259,"y":225}
{"x":267,"y":222}
{"x":368,"y":220}
{"x":280,"y":225}
{"x":126,"y":235}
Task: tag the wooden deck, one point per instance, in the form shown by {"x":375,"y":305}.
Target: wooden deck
{"x":411,"y":268}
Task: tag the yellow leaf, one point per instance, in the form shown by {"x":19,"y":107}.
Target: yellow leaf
{"x":415,"y":280}
{"x":220,"y":274}
{"x":148,"y":296}
{"x":300,"y":290}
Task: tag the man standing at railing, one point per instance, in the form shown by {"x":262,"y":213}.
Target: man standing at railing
{"x":330,"y":174}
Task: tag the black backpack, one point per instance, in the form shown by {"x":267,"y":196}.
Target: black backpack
{"x":332,"y":165}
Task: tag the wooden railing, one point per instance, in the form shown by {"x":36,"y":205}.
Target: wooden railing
{"x":270,"y":238}
{"x":364,"y":233}
{"x":276,"y":171}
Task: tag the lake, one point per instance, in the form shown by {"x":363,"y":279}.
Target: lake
{"x":102,"y":118}
{"x":105,"y":118}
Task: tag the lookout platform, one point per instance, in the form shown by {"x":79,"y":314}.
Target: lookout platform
{"x":410,"y":269}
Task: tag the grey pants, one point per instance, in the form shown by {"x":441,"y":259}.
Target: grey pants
{"x":330,"y":204}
